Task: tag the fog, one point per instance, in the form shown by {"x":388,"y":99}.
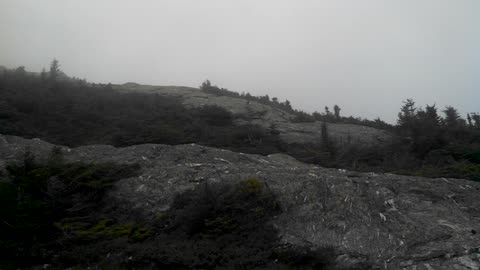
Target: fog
{"x":366,"y":56}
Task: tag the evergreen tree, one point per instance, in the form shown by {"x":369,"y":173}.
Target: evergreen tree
{"x":54,"y":70}
{"x":452,"y":118}
{"x":327,"y":111}
{"x":469,"y":120}
{"x":476,"y":119}
{"x":206,"y":86}
{"x":288,"y":105}
{"x":407,"y":112}
{"x":406,"y":117}
{"x":336,"y":110}
{"x":426,"y":131}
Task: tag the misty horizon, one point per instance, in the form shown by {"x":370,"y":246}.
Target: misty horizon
{"x":366,"y":57}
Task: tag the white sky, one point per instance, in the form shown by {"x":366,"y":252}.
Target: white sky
{"x":366,"y":56}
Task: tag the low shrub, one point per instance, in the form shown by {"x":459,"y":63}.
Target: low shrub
{"x":38,"y":200}
{"x":215,"y":115}
{"x":303,"y":117}
{"x":224,"y":226}
{"x":460,"y":169}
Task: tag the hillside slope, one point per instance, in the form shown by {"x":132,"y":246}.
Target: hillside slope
{"x":395,"y":222}
{"x":266,"y":116}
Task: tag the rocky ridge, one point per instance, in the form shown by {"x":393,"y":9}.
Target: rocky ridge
{"x":267,"y":116}
{"x":397,"y":222}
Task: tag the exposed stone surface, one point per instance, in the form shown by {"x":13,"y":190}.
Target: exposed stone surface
{"x":398,"y":222}
{"x":267,"y":116}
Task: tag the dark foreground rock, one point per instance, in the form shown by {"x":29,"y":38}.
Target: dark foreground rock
{"x":397,"y":222}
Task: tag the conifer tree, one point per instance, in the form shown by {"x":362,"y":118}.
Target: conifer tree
{"x":54,"y":70}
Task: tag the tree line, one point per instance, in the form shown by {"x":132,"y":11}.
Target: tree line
{"x":71,"y":111}
{"x":299,"y":115}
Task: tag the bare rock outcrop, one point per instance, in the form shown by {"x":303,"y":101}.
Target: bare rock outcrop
{"x":268,"y":117}
{"x":398,"y":222}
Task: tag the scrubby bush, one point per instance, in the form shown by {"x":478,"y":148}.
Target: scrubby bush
{"x":225,"y":226}
{"x":303,"y":117}
{"x":464,"y":169}
{"x":38,"y":200}
{"x":215,"y":115}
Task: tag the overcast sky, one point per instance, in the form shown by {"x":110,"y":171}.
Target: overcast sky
{"x":366,"y":56}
